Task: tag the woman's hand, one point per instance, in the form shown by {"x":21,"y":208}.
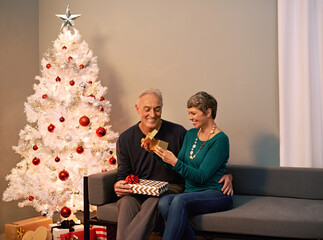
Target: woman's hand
{"x":166,"y":156}
{"x":227,"y":188}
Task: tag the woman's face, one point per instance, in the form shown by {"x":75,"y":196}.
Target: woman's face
{"x":197,"y":117}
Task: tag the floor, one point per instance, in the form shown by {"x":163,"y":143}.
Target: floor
{"x":156,"y":236}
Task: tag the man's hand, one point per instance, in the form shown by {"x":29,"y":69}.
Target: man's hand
{"x":145,"y":144}
{"x":122,"y":188}
{"x":227,"y":186}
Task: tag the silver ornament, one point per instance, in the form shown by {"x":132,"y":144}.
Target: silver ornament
{"x":53,"y":178}
{"x":44,"y":213}
{"x":63,"y":65}
{"x":98,"y":154}
{"x":96,"y":104}
{"x":83,"y":85}
{"x":68,"y":138}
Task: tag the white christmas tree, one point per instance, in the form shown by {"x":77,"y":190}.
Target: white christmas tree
{"x":68,"y":135}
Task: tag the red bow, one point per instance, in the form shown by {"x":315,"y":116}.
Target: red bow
{"x":131,"y":179}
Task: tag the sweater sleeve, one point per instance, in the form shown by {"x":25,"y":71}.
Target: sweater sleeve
{"x":124,"y":166}
{"x":215,"y":157}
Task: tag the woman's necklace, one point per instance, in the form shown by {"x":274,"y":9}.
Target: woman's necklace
{"x":194,"y":144}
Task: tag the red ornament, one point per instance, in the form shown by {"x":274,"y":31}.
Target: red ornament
{"x":63,"y":175}
{"x":112,"y":161}
{"x":35,"y":147}
{"x":72,"y":82}
{"x":84,"y":121}
{"x":31,"y":198}
{"x":70,"y":58}
{"x":48,"y":65}
{"x":132,"y":179}
{"x":101,"y":132}
{"x":89,"y":82}
{"x":65,"y":212}
{"x":91,"y":95}
{"x":81,"y":66}
{"x":36,"y":161}
{"x":61,"y":119}
{"x":57,"y":159}
{"x":80,"y":150}
{"x":58,"y":79}
{"x":101,"y":98}
{"x":64,"y":47}
{"x":44,"y":96}
{"x":101,"y":109}
{"x":51,"y":128}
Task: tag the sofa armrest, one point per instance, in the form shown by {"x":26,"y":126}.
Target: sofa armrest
{"x":101,"y":187}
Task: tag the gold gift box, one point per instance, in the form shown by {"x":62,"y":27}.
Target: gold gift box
{"x":16,"y":230}
{"x":153,"y":143}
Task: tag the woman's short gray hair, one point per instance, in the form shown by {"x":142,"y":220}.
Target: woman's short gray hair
{"x":203,"y":101}
{"x":153,"y":91}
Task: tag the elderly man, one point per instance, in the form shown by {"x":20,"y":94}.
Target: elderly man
{"x":138,"y":213}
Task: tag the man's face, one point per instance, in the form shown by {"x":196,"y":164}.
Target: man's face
{"x":149,"y":109}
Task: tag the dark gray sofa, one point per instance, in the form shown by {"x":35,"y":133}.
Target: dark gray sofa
{"x":276,"y":202}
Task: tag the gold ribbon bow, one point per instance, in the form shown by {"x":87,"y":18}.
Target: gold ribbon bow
{"x":20,"y":233}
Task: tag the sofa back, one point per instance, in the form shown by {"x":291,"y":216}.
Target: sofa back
{"x":304,"y":183}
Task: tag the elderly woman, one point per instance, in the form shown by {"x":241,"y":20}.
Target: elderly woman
{"x":202,"y":162}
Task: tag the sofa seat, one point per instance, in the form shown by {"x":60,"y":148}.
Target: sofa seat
{"x":108,"y":212}
{"x":266,"y":216}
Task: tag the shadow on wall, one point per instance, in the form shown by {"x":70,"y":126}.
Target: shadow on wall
{"x":267,"y":150}
{"x":119,"y":117}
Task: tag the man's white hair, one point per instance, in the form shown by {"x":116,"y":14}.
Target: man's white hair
{"x":153,"y":91}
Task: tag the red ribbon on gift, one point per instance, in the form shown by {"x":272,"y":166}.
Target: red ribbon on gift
{"x":132,"y":179}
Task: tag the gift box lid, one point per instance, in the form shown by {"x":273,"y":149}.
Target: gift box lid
{"x":32,"y":221}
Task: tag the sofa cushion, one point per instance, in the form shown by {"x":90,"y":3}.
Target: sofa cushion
{"x":277,"y":181}
{"x":266,"y":216}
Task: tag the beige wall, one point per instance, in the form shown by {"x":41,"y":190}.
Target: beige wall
{"x":225,"y":47}
{"x":18,"y":67}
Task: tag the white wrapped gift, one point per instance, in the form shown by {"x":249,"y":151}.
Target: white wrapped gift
{"x":150,"y":187}
{"x":57,"y":232}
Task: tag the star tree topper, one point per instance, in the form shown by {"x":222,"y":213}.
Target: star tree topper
{"x":68,"y":18}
